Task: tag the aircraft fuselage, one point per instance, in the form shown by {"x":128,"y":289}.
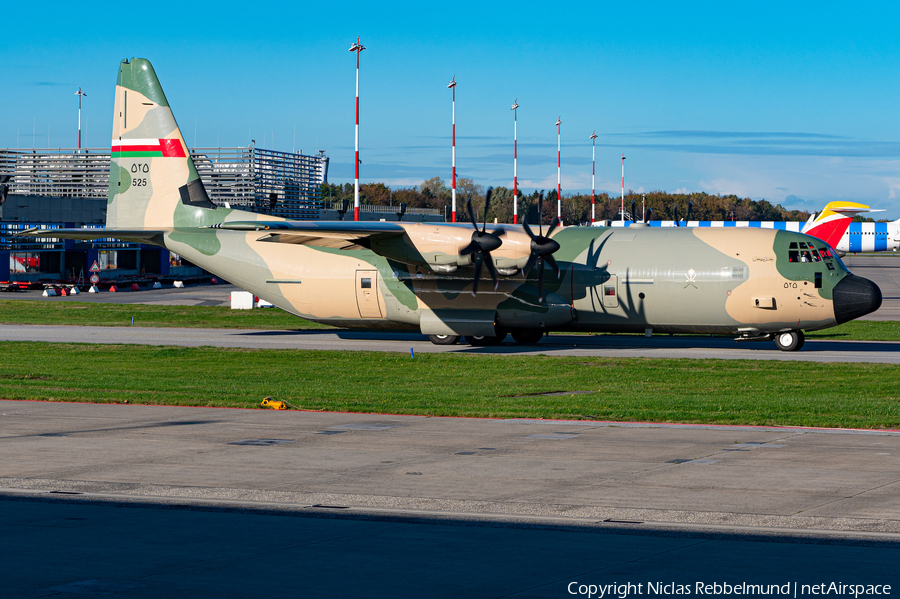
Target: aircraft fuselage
{"x":724,"y":281}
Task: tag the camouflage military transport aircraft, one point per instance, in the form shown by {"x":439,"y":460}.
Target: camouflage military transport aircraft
{"x":755,"y":284}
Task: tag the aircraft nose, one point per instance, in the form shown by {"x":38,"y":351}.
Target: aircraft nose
{"x":854,"y":297}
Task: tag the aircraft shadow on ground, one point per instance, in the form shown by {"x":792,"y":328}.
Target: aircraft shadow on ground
{"x":565,"y":342}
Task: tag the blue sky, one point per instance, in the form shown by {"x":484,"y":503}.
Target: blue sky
{"x":792,"y":102}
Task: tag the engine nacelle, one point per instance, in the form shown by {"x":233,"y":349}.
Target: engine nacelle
{"x":438,"y":246}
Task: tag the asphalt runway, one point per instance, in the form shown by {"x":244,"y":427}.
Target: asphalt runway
{"x":621,"y":346}
{"x":148,"y":501}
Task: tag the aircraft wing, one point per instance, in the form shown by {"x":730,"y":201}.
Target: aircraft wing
{"x":138,"y":235}
{"x":334,"y":234}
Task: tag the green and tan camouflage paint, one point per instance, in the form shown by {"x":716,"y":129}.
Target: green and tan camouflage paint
{"x":667,"y":280}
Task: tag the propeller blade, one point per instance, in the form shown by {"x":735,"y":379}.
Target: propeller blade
{"x":690,"y":205}
{"x":471,"y":212}
{"x":553,"y":264}
{"x":527,"y":229}
{"x":479,"y":261}
{"x":647,"y":216}
{"x":490,"y":266}
{"x":487,"y":203}
{"x":530,"y":264}
{"x":541,"y":279}
{"x":541,"y":214}
{"x":552,"y":226}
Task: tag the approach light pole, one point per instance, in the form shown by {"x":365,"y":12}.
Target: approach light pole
{"x":452,"y":85}
{"x":79,"y":93}
{"x":593,"y":139}
{"x":558,"y":172}
{"x":356,"y":47}
{"x":515,"y":109}
{"x":623,"y":189}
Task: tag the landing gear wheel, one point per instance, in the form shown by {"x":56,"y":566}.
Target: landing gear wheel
{"x":484,"y":340}
{"x":443,"y":339}
{"x":790,"y":341}
{"x":528,"y":337}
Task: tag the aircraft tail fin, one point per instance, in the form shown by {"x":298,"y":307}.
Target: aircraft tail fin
{"x":152,"y":181}
{"x":831,"y":224}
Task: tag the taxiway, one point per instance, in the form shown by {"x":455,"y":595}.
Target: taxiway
{"x":138,"y":500}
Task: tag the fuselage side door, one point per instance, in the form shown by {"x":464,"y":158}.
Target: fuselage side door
{"x":367,"y":294}
{"x":611,"y":292}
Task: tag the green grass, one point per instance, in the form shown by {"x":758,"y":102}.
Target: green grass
{"x":91,"y":314}
{"x":861,"y":330}
{"x":653,"y":390}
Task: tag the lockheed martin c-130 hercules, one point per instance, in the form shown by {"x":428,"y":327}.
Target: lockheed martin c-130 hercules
{"x":755,"y":284}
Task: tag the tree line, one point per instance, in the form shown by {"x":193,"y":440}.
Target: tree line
{"x":576,"y":208}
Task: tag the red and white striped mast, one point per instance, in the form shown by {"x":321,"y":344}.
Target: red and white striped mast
{"x":452,"y":85}
{"x":79,"y":93}
{"x":356,"y":47}
{"x":558,"y":172}
{"x":593,"y":173}
{"x":515,"y":108}
{"x":623,"y":189}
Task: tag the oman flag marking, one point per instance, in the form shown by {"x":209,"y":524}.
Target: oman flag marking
{"x":147,"y":148}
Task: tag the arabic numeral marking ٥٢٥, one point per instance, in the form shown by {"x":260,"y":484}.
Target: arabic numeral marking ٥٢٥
{"x":139,"y":167}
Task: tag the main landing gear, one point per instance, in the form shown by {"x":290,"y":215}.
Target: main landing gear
{"x":789,"y":341}
{"x":522,"y":337}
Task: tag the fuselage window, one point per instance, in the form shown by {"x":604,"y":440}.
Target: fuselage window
{"x":365,"y":283}
{"x":609,"y":290}
{"x":793,"y":255}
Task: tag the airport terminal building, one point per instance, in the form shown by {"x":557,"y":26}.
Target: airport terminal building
{"x":53,"y":188}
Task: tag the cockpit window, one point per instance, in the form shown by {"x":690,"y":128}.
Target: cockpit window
{"x":802,"y":251}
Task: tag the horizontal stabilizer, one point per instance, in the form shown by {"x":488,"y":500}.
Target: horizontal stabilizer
{"x":142,"y":235}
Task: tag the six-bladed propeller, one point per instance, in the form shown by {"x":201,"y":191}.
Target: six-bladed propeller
{"x":542,"y":248}
{"x":482,"y":244}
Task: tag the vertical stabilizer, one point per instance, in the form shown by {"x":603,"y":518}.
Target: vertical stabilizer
{"x":831,"y":224}
{"x":152,"y":179}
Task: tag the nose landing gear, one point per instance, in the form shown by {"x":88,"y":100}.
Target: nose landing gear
{"x":790,"y":340}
